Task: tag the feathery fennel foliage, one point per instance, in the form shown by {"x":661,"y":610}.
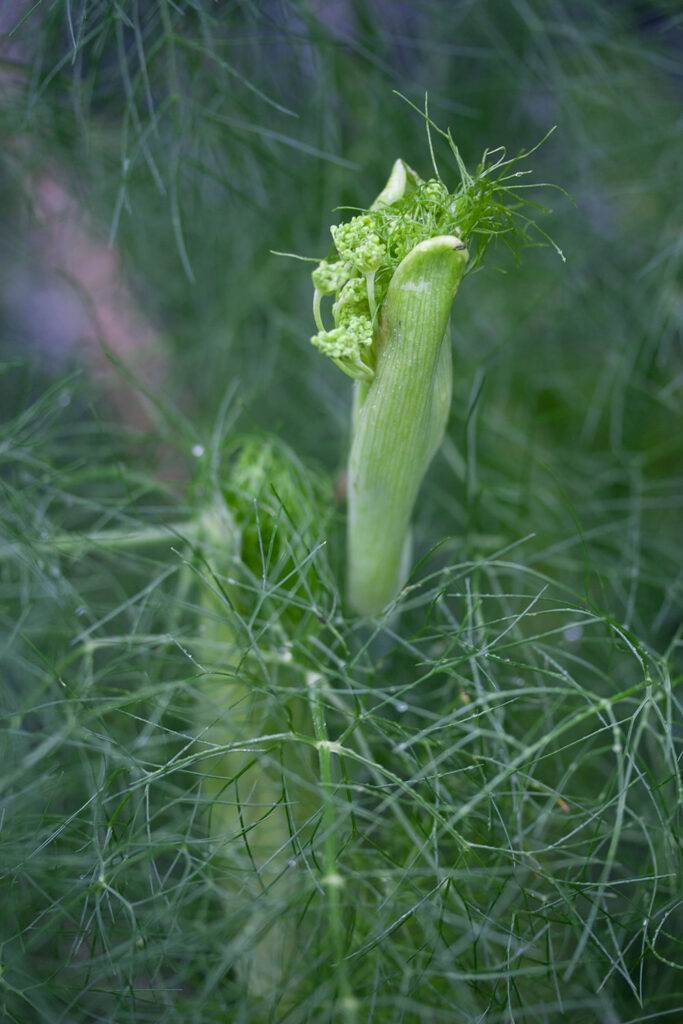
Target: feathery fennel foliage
{"x":223,"y":798}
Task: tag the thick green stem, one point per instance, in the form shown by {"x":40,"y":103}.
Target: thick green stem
{"x":399,"y":423}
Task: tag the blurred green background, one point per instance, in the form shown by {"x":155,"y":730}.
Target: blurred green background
{"x":153,"y":156}
{"x":196,"y":138}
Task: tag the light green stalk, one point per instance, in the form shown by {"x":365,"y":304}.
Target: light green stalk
{"x":257,"y":537}
{"x":400,"y":418}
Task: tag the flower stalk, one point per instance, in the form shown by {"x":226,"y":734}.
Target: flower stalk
{"x":400,"y":419}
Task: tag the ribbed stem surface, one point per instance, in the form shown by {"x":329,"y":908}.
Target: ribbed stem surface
{"x":399,"y":422}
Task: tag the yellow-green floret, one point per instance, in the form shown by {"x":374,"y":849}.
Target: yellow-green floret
{"x":328,"y":278}
{"x":352,"y":301}
{"x":358,"y":244}
{"x":349,"y":346}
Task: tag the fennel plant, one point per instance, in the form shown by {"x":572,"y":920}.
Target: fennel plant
{"x":223,"y":799}
{"x":394,"y":273}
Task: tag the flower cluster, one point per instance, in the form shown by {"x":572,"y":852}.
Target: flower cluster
{"x":351,"y":279}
